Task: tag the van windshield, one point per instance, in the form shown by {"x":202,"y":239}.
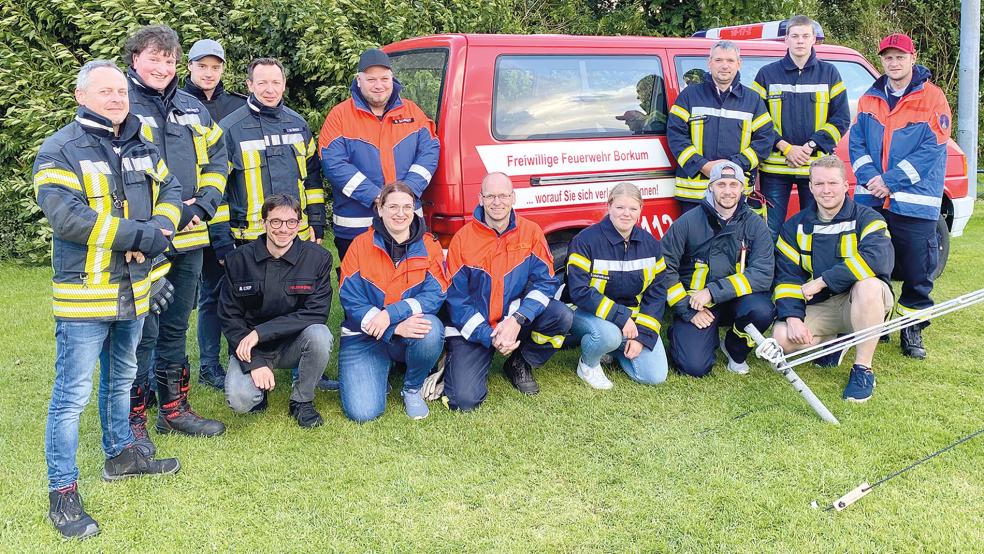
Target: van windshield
{"x":547,"y":97}
{"x":421,"y":72}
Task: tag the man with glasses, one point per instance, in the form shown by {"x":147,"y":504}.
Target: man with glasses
{"x":501,"y":299}
{"x":273,"y":305}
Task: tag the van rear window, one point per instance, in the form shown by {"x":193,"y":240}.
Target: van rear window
{"x":547,"y":97}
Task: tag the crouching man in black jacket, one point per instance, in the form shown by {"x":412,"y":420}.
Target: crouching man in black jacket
{"x":273,"y":304}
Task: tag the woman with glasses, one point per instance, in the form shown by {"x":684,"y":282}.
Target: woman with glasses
{"x":615,"y":278}
{"x":393,"y":282}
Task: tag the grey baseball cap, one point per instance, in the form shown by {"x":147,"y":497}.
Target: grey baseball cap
{"x":206,"y":47}
{"x":373,"y":57}
{"x":727,"y":170}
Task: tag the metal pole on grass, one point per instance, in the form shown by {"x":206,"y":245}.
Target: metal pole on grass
{"x":968,"y":99}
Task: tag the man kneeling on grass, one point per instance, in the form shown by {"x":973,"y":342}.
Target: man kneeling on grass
{"x":273,"y":304}
{"x":833,"y":266}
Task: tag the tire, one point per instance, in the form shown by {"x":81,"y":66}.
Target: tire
{"x":943,"y":238}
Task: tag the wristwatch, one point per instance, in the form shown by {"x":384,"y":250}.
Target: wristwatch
{"x":813,"y":146}
{"x":520,"y":318}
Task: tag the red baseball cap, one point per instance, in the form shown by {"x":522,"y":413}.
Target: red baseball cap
{"x":899,"y":41}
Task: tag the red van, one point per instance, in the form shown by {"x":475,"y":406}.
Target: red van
{"x":567,"y":117}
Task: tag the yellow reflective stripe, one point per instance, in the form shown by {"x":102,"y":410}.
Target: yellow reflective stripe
{"x":761,"y":121}
{"x":315,"y":196}
{"x":780,"y":168}
{"x":775,"y":108}
{"x":212,"y":180}
{"x":598,"y":283}
{"x":56,"y":176}
{"x":169,"y":211}
{"x":875,"y":225}
{"x":746,"y":135}
{"x":658,"y":268}
{"x":697,"y":135}
{"x":759,"y":89}
{"x":648,"y":321}
{"x":905,"y":310}
{"x":748,"y":338}
{"x":141,"y":287}
{"x":580,"y":261}
{"x":691,"y":188}
{"x":680,"y":112}
{"x":832,"y":131}
{"x":804,"y":240}
{"x":81,"y":291}
{"x":687,"y":153}
{"x":807,"y":263}
{"x":675,"y":294}
{"x":253,"y":176}
{"x":161,"y":172}
{"x":859,"y":268}
{"x":200,"y":140}
{"x":556,"y":341}
{"x":788,"y":250}
{"x":837,"y":89}
{"x":699,"y":278}
{"x":95,"y":186}
{"x":820,"y":113}
{"x":85,"y":309}
{"x":221,"y":214}
{"x":147,"y":132}
{"x":740,"y":284}
{"x":248,"y":233}
{"x":848,"y":245}
{"x":214,"y":134}
{"x":159,"y":271}
{"x":788,"y":291}
{"x":604,"y":307}
{"x":184,"y":240}
{"x":751,"y":155}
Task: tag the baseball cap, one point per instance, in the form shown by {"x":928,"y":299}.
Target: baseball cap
{"x":897,"y":40}
{"x":727,"y":170}
{"x":372,"y":57}
{"x":206,"y":47}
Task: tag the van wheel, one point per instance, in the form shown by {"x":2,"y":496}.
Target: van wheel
{"x":943,"y":239}
{"x":559,"y":251}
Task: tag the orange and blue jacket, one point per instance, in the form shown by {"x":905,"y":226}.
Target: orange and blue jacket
{"x":371,"y":282}
{"x":494,"y":275}
{"x":906,"y":145}
{"x":360,"y":153}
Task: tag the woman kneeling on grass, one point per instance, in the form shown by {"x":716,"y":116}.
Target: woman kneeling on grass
{"x":393,"y":283}
{"x":615,"y":278}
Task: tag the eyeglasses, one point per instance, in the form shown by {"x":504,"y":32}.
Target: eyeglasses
{"x":395,"y":208}
{"x":499,"y":197}
{"x":278,"y":223}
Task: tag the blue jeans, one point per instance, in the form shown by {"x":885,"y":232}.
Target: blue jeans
{"x":364,"y":364}
{"x":599,"y":337}
{"x":78,"y":345}
{"x":209,"y":327}
{"x":777,"y":189}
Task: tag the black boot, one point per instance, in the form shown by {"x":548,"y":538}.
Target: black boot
{"x":912,"y":343}
{"x":520,"y":374}
{"x":68,"y":516}
{"x":138,"y":420}
{"x":305,"y":414}
{"x":132,"y":462}
{"x":175,"y":415}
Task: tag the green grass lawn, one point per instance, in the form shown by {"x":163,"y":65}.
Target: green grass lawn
{"x":638,"y":469}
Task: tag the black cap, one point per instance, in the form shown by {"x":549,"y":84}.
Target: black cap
{"x":372,"y":57}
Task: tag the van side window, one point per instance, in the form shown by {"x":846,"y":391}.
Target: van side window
{"x":546,"y":97}
{"x":421,"y":72}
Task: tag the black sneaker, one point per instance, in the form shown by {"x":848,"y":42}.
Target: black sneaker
{"x":132,"y":462}
{"x":138,"y":425}
{"x":68,"y":516}
{"x":912,"y":343}
{"x":185,"y":421}
{"x":212,"y":376}
{"x":521,"y":374}
{"x":305,"y":414}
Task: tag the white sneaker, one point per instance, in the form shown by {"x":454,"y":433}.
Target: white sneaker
{"x":593,"y":376}
{"x":733,"y":366}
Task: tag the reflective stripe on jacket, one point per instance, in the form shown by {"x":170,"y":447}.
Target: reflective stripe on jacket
{"x":101,"y":203}
{"x":616,"y":279}
{"x":905,"y":145}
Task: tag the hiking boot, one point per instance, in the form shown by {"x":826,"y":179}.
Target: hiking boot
{"x":741,"y":368}
{"x":414,"y":404}
{"x":212,"y":376}
{"x":68,"y":516}
{"x":594,"y":376}
{"x":328,"y":384}
{"x":860,"y":385}
{"x":175,"y":414}
{"x":305,"y":414}
{"x":521,"y":374}
{"x":138,"y":426}
{"x":134,"y":463}
{"x":912,"y":344}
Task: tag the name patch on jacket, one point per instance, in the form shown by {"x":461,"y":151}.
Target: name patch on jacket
{"x":403,"y":120}
{"x":293,"y":130}
{"x":694,"y":118}
{"x":244,"y":287}
{"x":300,"y":288}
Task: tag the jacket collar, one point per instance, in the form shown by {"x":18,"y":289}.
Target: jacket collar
{"x":920,"y":74}
{"x":736,"y":87}
{"x":789,"y":65}
{"x":258,"y":108}
{"x":167,"y":95}
{"x":479,"y":215}
{"x":191,"y":88}
{"x":99,"y":126}
{"x":360,"y":101}
{"x":845,"y":213}
{"x":261,"y":253}
{"x":707,"y":204}
{"x":611,"y":233}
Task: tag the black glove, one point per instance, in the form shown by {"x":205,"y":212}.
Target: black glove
{"x":158,"y":245}
{"x":161,"y":295}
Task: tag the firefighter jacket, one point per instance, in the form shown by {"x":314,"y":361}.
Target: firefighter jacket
{"x":190,"y":143}
{"x":805,"y":104}
{"x":855,"y":245}
{"x":104,"y":195}
{"x":706,"y":125}
{"x":222,"y":102}
{"x":731,"y":258}
{"x":494,"y":275}
{"x":906,"y":145}
{"x":276,"y":297}
{"x":271,"y":151}
{"x":360,"y":153}
{"x":617,"y":279}
{"x":416,"y":283}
